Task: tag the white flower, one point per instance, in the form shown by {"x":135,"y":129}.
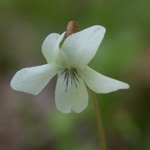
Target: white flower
{"x":69,"y":58}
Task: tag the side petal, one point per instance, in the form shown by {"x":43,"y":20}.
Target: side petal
{"x":48,"y":46}
{"x":70,"y":95}
{"x":32,"y":80}
{"x":81,"y":47}
{"x":100,"y":83}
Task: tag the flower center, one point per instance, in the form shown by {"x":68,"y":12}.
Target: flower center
{"x":72,"y":75}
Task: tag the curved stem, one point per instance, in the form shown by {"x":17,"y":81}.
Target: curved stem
{"x":99,"y":122}
{"x":72,"y":25}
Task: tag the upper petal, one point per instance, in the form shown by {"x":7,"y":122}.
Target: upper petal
{"x":70,"y":95}
{"x":59,"y":58}
{"x":48,"y":46}
{"x":51,"y":50}
{"x":100,"y":83}
{"x":32,"y":80}
{"x":81,"y":47}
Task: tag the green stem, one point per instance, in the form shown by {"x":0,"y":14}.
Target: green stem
{"x":99,"y":122}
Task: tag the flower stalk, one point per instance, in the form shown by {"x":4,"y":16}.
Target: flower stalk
{"x":72,"y":25}
{"x":100,"y":128}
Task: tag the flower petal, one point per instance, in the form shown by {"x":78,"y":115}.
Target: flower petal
{"x":100,"y":83}
{"x":48,"y":46}
{"x":68,"y":96}
{"x":61,"y":37}
{"x":60,"y":58}
{"x":51,"y":50}
{"x":81,"y":47}
{"x":32,"y":80}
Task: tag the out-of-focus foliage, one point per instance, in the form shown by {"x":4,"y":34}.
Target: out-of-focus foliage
{"x":32,"y":122}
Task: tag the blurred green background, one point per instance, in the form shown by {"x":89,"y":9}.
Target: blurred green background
{"x":32,"y":122}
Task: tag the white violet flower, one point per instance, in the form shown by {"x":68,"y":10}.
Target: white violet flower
{"x":68,"y":58}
